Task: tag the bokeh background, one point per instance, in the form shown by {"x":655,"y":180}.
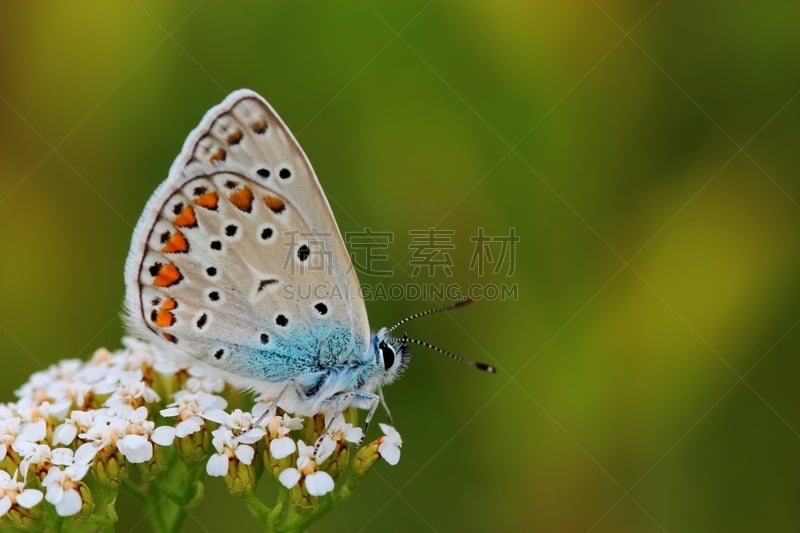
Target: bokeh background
{"x":646,"y":153}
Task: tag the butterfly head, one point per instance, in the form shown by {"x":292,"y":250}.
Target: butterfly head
{"x":391,"y":354}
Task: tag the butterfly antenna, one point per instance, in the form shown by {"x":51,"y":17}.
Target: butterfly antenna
{"x":469,"y":362}
{"x":460,"y":303}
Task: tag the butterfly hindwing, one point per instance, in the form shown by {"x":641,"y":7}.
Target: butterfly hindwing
{"x":237,"y":259}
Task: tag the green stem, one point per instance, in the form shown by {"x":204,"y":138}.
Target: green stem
{"x":172,"y":496}
{"x":278,"y":510}
{"x":134,"y":491}
{"x":301,"y":521}
{"x":260,"y":511}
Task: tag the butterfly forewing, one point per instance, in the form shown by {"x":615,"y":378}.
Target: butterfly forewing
{"x":237,"y":259}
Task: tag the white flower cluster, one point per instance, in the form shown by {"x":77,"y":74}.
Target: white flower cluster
{"x":78,"y":417}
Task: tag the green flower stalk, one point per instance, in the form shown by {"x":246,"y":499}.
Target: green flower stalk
{"x":157,"y":427}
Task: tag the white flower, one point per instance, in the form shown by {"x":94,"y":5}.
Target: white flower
{"x":339,"y":430}
{"x":10,"y":428}
{"x":34,"y":454}
{"x":228,"y":446}
{"x":62,"y":483}
{"x":132,"y":391}
{"x":204,"y":379}
{"x":29,"y":447}
{"x":390,"y":445}
{"x":122,"y":426}
{"x":103,"y":432}
{"x":30,"y":411}
{"x":31,"y":433}
{"x":239,"y":422}
{"x":135,"y":448}
{"x":316,"y":482}
{"x":191,"y":408}
{"x":13,"y":492}
{"x":135,"y":445}
{"x":78,"y":421}
{"x":278,"y":428}
{"x":61,"y":383}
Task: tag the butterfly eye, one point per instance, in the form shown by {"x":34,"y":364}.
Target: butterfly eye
{"x":388,"y":355}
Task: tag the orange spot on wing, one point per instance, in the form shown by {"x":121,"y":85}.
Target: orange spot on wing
{"x":176,"y":243}
{"x":218,"y":156}
{"x":235,"y":137}
{"x":275,"y":204}
{"x":186,"y":218}
{"x":242,"y":198}
{"x":165,"y":317}
{"x":208,"y":200}
{"x":167,"y":276}
{"x":259,"y":126}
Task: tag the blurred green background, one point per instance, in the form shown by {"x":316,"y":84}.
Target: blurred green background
{"x":645,"y":152}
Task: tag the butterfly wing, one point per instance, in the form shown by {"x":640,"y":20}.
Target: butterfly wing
{"x":237,"y":259}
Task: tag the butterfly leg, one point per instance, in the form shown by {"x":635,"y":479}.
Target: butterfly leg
{"x":375,"y":401}
{"x":362,"y":400}
{"x":385,"y":407}
{"x":273,"y":407}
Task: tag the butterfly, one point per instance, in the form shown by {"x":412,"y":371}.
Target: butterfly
{"x":237,"y":261}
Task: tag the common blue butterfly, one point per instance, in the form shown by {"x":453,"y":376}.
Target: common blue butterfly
{"x":237,"y":261}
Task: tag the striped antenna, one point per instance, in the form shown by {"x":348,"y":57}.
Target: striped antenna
{"x":460,"y":303}
{"x":484,"y":367}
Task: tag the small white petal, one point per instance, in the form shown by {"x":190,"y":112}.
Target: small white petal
{"x":23,"y":447}
{"x":217,"y":465}
{"x":70,"y":504}
{"x":29,"y":497}
{"x":289,"y":477}
{"x":259,"y":409}
{"x":52,"y":475}
{"x":217,"y":415}
{"x":62,"y":456}
{"x":282,"y":447}
{"x":34,"y":431}
{"x":390,"y":433}
{"x":163,"y":436}
{"x":65,"y":434}
{"x":5,"y":505}
{"x":245,"y":454}
{"x":55,"y":493}
{"x":136,"y":448}
{"x":86,"y":453}
{"x":188,"y":426}
{"x":251,"y":436}
{"x":354,"y":434}
{"x":319,"y":483}
{"x":390,"y":452}
{"x":304,"y":449}
{"x":170,"y":411}
{"x":326,"y":448}
{"x":77,"y":471}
